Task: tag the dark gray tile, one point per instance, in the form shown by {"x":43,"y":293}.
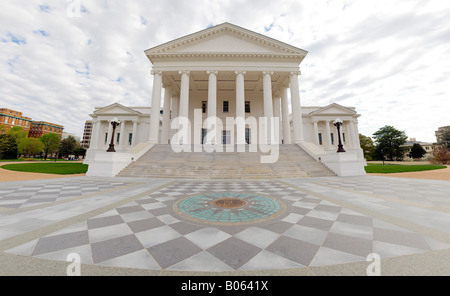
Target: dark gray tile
{"x":234,"y":252}
{"x":184,"y":227}
{"x":145,"y":224}
{"x":311,"y":200}
{"x":328,"y":208}
{"x":130,"y":209}
{"x":173,"y":251}
{"x":317,"y":223}
{"x":105,"y":250}
{"x":397,"y":237}
{"x":104,"y":221}
{"x":355,"y":219}
{"x":278,"y":227}
{"x":295,"y":250}
{"x":301,"y":211}
{"x":60,"y":242}
{"x":349,"y":244}
{"x":158,"y":211}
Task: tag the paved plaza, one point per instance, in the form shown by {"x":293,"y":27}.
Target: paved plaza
{"x":309,"y":226}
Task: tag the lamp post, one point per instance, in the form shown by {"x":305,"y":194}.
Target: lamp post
{"x":114,"y":122}
{"x":338,"y":123}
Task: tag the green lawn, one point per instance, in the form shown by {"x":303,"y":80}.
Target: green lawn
{"x":48,"y":168}
{"x":378,"y":168}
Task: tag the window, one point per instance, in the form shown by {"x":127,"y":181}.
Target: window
{"x":106,"y":138}
{"x":204,"y":105}
{"x":247,"y":106}
{"x":247,"y":135}
{"x":118,"y":138}
{"x":332,"y":138}
{"x":225,"y":106}
{"x":130,"y":138}
{"x":203,"y":139}
{"x":226,"y":137}
{"x":343,"y":137}
{"x":320,"y":139}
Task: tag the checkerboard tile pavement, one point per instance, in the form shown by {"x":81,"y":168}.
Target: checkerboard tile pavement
{"x":35,"y":194}
{"x":148,"y":234}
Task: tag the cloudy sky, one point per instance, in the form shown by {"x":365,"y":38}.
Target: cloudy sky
{"x":390,"y":59}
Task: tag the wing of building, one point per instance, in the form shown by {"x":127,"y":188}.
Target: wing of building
{"x":225,"y":86}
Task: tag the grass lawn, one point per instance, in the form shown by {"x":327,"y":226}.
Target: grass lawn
{"x":378,"y":168}
{"x":48,"y":168}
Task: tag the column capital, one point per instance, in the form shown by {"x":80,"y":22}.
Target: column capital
{"x":187,"y":72}
{"x":240,"y":72}
{"x":298,"y":73}
{"x":214,"y":72}
{"x":268,"y":72}
{"x":156,"y":72}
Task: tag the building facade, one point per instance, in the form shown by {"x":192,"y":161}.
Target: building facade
{"x":227,"y":85}
{"x":87,"y":134}
{"x":40,"y":128}
{"x":10,"y":118}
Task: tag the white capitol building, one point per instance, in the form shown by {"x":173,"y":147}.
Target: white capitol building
{"x":229,"y":96}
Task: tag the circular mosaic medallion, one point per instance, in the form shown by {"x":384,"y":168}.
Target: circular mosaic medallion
{"x":229,"y":208}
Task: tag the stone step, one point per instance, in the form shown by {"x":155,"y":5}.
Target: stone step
{"x":162,"y":161}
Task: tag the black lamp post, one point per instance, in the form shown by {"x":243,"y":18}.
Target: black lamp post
{"x":338,"y":124}
{"x":115,"y":122}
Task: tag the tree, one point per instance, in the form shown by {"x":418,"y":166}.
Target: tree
{"x":8,"y":147}
{"x":417,"y":151}
{"x":67,"y":146}
{"x":388,"y":143}
{"x":30,"y":146}
{"x":444,"y":138}
{"x":367,"y":146}
{"x":51,"y":143}
{"x":17,"y":133}
{"x":79,"y":151}
{"x":441,"y":155}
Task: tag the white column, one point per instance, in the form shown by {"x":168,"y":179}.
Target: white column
{"x":212,"y":107}
{"x":240,"y":107}
{"x":110,"y":130}
{"x":156,"y":107}
{"x":175,"y":107}
{"x":268,"y":103}
{"x":95,"y":135}
{"x":285,"y":116}
{"x":277,"y":113}
{"x":134,"y":137}
{"x":122,"y":135}
{"x":296,"y":108}
{"x":166,"y":116}
{"x":316,"y":133}
{"x":328,"y":135}
{"x":184,"y":102}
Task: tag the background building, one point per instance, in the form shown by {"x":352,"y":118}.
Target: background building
{"x":39,"y":128}
{"x":87,"y":134}
{"x":10,"y":118}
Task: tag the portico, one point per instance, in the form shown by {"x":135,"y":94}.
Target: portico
{"x":227,"y":71}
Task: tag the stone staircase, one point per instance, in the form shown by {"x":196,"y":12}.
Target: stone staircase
{"x":162,"y":161}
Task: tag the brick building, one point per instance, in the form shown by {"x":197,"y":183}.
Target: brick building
{"x":39,"y":128}
{"x":85,"y":143}
{"x":10,"y":118}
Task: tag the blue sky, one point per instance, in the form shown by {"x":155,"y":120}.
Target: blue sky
{"x":389,"y":59}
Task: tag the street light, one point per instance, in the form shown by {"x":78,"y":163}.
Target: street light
{"x":114,"y":122}
{"x":338,"y":123}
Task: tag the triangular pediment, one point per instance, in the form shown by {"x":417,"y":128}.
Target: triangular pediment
{"x":226,"y":39}
{"x":334,"y":109}
{"x":116,"y":109}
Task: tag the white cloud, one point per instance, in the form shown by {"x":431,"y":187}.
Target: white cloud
{"x":389,"y":59}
